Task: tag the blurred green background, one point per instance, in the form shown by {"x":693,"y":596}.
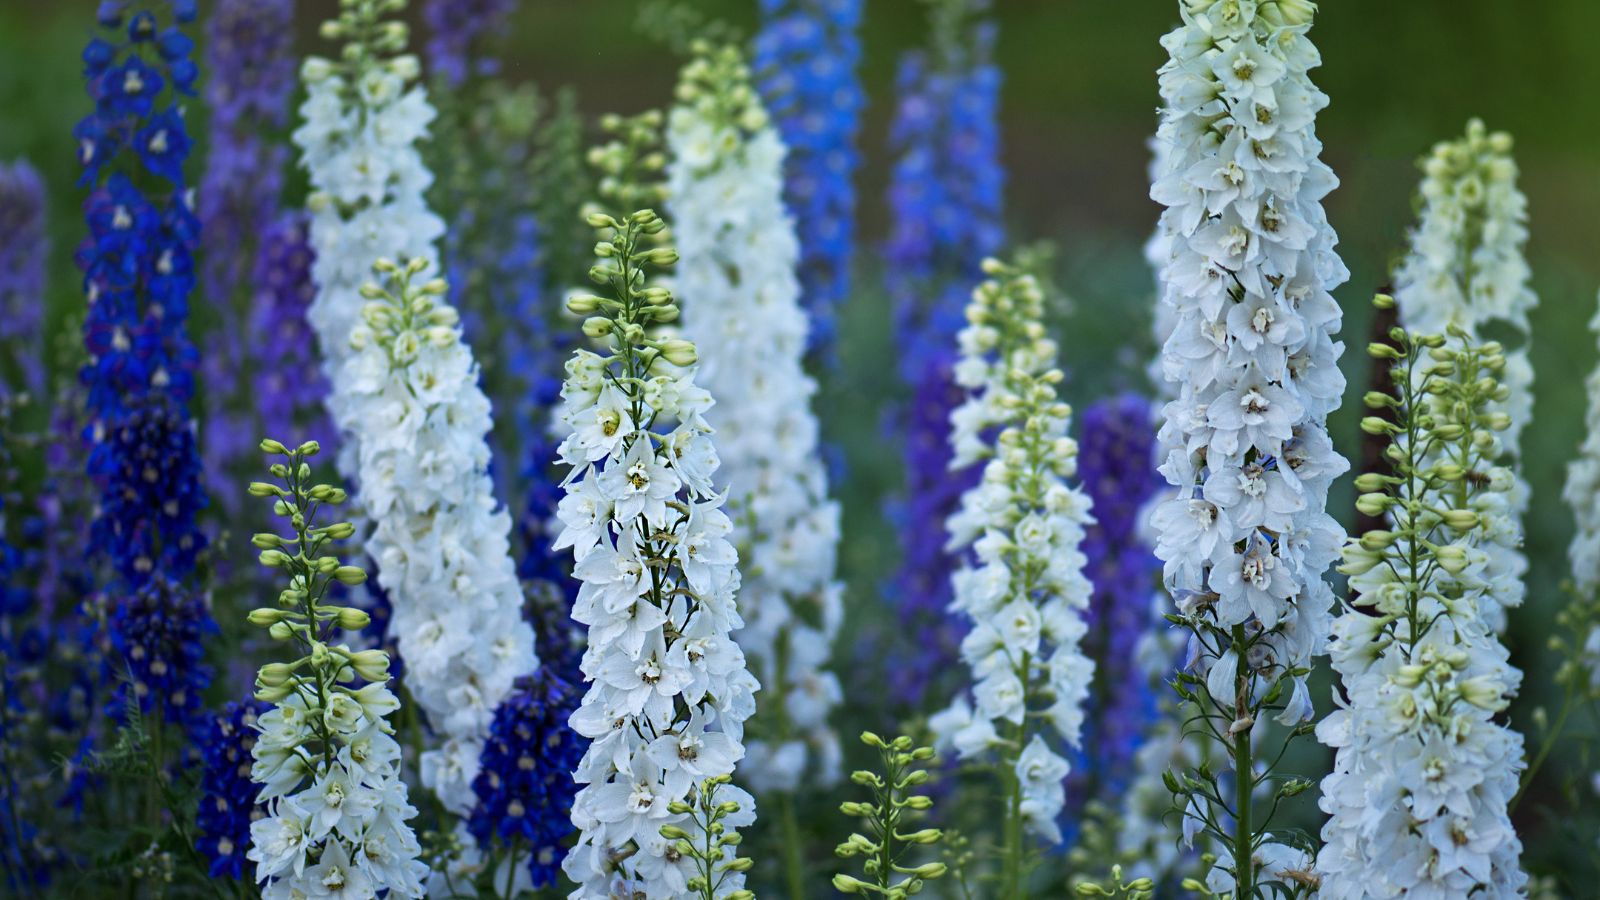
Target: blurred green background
{"x":1079,"y":104}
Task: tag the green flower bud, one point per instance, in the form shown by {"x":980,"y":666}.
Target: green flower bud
{"x":352,"y":619}
{"x":349,"y":575}
{"x":262,"y":489}
{"x":273,"y":694}
{"x":372,"y":665}
{"x":583,"y":304}
{"x":266,"y":541}
{"x":1368,"y":482}
{"x":844,"y":884}
{"x":1375,"y":425}
{"x":1461,"y":519}
{"x":1483,"y":692}
{"x":1377,"y":540}
{"x":1383,"y":301}
{"x":678,"y":352}
{"x":660,"y":256}
{"x":597,"y":327}
{"x":742,"y":864}
{"x":280,"y":631}
{"x":264,"y":615}
{"x":274,"y":674}
{"x":1373,"y":504}
{"x":309,"y":448}
{"x":268,"y":445}
{"x":1451,"y":558}
{"x":1378,"y":350}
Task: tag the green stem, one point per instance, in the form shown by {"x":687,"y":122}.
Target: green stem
{"x":1243,"y":777}
{"x":511,"y":870}
{"x":1545,"y":747}
{"x":793,"y":864}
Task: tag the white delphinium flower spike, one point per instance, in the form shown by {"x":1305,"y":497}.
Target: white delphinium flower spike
{"x":1466,"y":267}
{"x":1424,"y":768}
{"x":410,"y":390}
{"x":326,"y":759}
{"x":1245,"y":536}
{"x":669,"y":692}
{"x":406,"y":398}
{"x":739,"y":254}
{"x":1019,"y":531}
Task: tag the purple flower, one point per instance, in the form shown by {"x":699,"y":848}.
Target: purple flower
{"x":24,"y":250}
{"x":1117,"y":467}
{"x":249,"y":51}
{"x":455,"y":25}
{"x":945,"y":197}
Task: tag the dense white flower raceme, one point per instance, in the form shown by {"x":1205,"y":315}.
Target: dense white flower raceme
{"x":739,"y":253}
{"x":1245,"y":537}
{"x":669,"y":691}
{"x":441,"y":543}
{"x":1424,"y":769}
{"x":1465,"y":267}
{"x":326,"y":759}
{"x":406,"y":400}
{"x":1022,"y":584}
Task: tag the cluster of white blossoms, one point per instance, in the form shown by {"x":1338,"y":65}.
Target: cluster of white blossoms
{"x":1021,"y":583}
{"x":1245,"y":537}
{"x":739,"y":253}
{"x":326,"y":760}
{"x":1465,"y":267}
{"x":1424,"y":769}
{"x":669,"y":691}
{"x":406,"y":398}
{"x":362,"y":119}
{"x":441,"y":544}
{"x":1582,"y":493}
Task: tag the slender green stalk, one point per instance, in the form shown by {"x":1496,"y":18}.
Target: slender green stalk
{"x":1244,"y":864}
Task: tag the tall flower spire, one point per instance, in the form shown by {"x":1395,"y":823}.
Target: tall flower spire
{"x":406,"y":397}
{"x":945,"y":195}
{"x":1466,"y":267}
{"x":1425,"y":766}
{"x":738,"y":266}
{"x":326,"y":760}
{"x":669,"y":691}
{"x":138,"y":264}
{"x":1244,"y":535}
{"x":1019,"y":532}
{"x":250,"y":68}
{"x":805,"y":61}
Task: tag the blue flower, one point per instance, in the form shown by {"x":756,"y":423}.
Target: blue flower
{"x":945,"y":199}
{"x":128,"y":90}
{"x":805,"y":60}
{"x":156,"y":635}
{"x":227,"y":795}
{"x":149,"y":471}
{"x":163,"y":145}
{"x":525,"y":785}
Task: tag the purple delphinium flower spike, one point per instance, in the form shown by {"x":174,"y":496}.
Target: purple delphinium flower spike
{"x":454,"y":26}
{"x":945,"y":195}
{"x":24,"y":250}
{"x":249,"y":56}
{"x":805,"y":59}
{"x":1116,"y":466}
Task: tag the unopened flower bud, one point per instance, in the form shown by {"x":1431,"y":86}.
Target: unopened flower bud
{"x":678,"y":352}
{"x":274,"y":674}
{"x":352,"y":619}
{"x":349,"y":575}
{"x":280,"y":631}
{"x":372,"y":665}
{"x":1461,"y":519}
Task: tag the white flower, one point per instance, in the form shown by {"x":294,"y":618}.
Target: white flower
{"x":668,"y":690}
{"x":412,"y":418}
{"x":1246,"y":261}
{"x":1466,"y":267}
{"x":738,"y":273}
{"x":1026,"y":591}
